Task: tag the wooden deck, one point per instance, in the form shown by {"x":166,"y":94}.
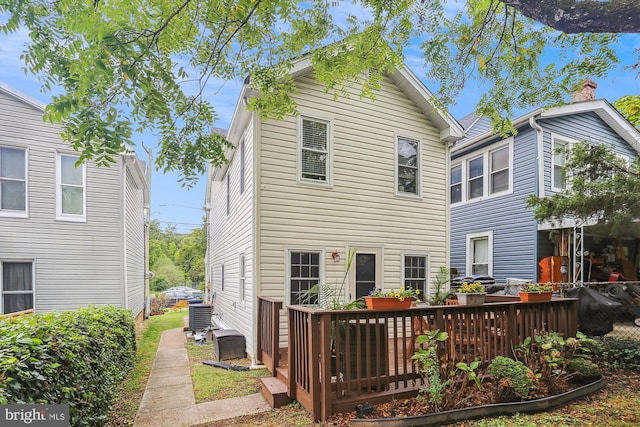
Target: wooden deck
{"x":336,"y":359}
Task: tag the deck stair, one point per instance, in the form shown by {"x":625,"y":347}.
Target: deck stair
{"x":275,"y":391}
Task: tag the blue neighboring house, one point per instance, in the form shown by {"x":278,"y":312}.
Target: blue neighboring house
{"x":492,"y":231}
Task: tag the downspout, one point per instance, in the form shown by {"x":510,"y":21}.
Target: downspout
{"x":447,"y":256}
{"x":255,"y":227}
{"x":540,"y":157}
{"x":540,"y":175}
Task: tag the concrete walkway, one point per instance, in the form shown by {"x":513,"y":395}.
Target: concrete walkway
{"x":169,"y":400}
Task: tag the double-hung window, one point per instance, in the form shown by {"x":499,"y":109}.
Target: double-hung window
{"x":415,"y":273}
{"x":480,"y":175}
{"x":408,"y":166}
{"x":16,"y":286}
{"x":13,"y":181}
{"x":314,"y":161}
{"x":558,"y":177}
{"x":499,"y":164}
{"x":475,"y":180}
{"x":71,"y":189}
{"x":456,"y":184}
{"x":304,"y":273}
{"x":480,"y":253}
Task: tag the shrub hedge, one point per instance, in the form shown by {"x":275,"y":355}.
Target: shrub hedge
{"x":72,"y":357}
{"x":617,"y":353}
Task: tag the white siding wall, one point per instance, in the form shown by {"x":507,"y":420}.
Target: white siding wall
{"x":229,"y":236}
{"x":361,"y":209}
{"x":135,"y":245}
{"x":77,"y":263}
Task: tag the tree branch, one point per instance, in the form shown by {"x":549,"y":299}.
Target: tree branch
{"x":582,"y":16}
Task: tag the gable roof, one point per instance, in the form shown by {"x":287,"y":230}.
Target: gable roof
{"x":407,"y":81}
{"x":28,"y":99}
{"x":607,"y":112}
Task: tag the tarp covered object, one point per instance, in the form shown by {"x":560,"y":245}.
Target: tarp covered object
{"x":596,"y":312}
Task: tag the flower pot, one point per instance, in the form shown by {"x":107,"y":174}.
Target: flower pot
{"x":535,"y":296}
{"x":470,"y":298}
{"x":387,"y":303}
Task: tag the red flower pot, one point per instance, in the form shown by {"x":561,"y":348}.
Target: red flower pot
{"x":387,"y":303}
{"x":535,"y":296}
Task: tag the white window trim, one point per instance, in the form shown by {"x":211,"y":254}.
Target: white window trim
{"x":451,"y":184}
{"x":469,"y":261}
{"x":33,"y":284}
{"x":312,"y":182}
{"x":463,"y":162}
{"x":568,"y":144}
{"x":70,"y":217}
{"x":427,"y":289}
{"x":20,"y":214}
{"x":378,"y":251}
{"x":417,"y":195}
{"x":287,"y":261}
{"x":490,"y":172}
{"x":242,"y":278}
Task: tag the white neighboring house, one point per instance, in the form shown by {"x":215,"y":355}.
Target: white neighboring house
{"x":70,"y":236}
{"x":346,"y":174}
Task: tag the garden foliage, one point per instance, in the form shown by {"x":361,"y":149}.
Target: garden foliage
{"x":617,"y":353}
{"x":72,"y":357}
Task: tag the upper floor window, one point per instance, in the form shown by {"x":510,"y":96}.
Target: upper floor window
{"x":408,"y":166}
{"x":456,"y":184}
{"x":558,"y":176}
{"x":485,"y":174}
{"x":71,"y":189}
{"x":314,"y":162}
{"x":475,"y":180}
{"x":16,"y":286}
{"x":13,"y":180}
{"x":499,"y":170}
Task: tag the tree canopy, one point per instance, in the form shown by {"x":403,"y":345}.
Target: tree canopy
{"x":604,"y":186}
{"x":121,"y":67}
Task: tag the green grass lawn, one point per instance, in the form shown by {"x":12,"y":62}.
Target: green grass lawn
{"x":211,"y":383}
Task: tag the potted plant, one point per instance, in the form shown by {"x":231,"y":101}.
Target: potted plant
{"x":536,"y":292}
{"x":384,"y":300}
{"x":471,"y":293}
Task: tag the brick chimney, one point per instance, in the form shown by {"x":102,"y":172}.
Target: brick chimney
{"x":586,"y":91}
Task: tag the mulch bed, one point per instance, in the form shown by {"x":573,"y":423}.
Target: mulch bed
{"x":490,"y":393}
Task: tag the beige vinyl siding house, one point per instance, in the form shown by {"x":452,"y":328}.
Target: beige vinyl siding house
{"x":80,"y":236}
{"x":350,"y":174}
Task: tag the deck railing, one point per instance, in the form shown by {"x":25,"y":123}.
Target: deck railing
{"x":339,"y":359}
{"x":268,"y":339}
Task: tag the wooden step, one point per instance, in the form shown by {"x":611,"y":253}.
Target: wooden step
{"x":275,"y":391}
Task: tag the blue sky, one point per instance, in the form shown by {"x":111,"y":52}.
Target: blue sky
{"x":182,"y":207}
